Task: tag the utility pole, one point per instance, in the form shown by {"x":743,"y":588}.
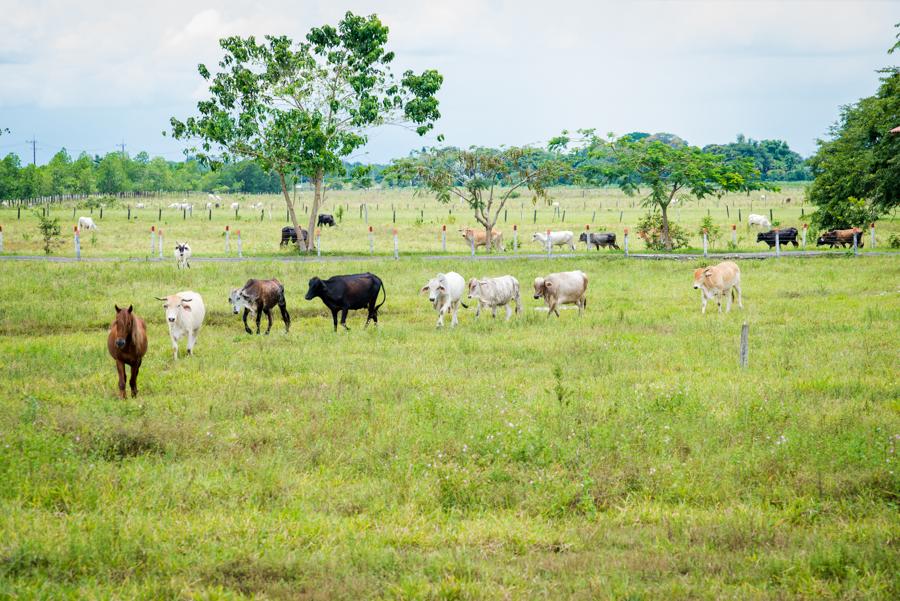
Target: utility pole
{"x":122,"y":146}
{"x":33,"y":143}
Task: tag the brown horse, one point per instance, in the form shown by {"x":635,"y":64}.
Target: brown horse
{"x":127,"y":343}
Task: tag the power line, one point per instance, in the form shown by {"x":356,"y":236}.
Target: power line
{"x":33,"y":143}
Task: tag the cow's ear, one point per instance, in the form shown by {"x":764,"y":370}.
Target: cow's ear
{"x":130,"y":308}
{"x":547,"y":284}
{"x":442,"y":288}
{"x":423,"y":289}
{"x":117,"y":308}
{"x":186,"y":307}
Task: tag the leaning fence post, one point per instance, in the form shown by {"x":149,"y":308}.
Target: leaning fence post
{"x":777,"y":243}
{"x":371,"y":242}
{"x":587,"y":237}
{"x":705,"y":243}
{"x":745,"y":344}
{"x":227,"y":239}
{"x":805,"y":226}
{"x":626,"y":241}
{"x":318,"y":242}
{"x":856,"y":232}
{"x":515,"y":238}
{"x":872,"y":229}
{"x":549,"y":245}
{"x":444,"y":238}
{"x":396,"y":246}
{"x":239,"y":245}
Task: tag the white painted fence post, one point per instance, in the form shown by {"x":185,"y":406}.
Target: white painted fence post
{"x":371,"y":241}
{"x":227,"y":238}
{"x":160,"y":243}
{"x":587,"y":237}
{"x":805,"y":226}
{"x":856,"y":241}
{"x":871,"y":229}
{"x":444,"y":238}
{"x":239,"y":245}
{"x":549,"y":245}
{"x":472,"y":243}
{"x":777,"y":243}
{"x":626,"y":241}
{"x":318,"y":242}
{"x":734,"y":234}
{"x":745,"y":344}
{"x":1,"y":238}
{"x":77,"y":244}
{"x":515,"y":238}
{"x":705,"y":244}
{"x":152,"y":239}
{"x":396,"y":246}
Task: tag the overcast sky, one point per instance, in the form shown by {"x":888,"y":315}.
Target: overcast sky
{"x":89,"y":75}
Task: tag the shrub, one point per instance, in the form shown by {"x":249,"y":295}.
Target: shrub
{"x":49,"y":230}
{"x":713,"y":231}
{"x":894,"y":241}
{"x":649,"y":228}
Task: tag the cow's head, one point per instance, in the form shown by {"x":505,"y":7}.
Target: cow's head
{"x":760,"y":237}
{"x":475,"y":287}
{"x":181,"y":248}
{"x":239,"y":299}
{"x":174,"y":303}
{"x":435,"y":287}
{"x":124,"y":323}
{"x":700,"y":274}
{"x":537,"y":237}
{"x":540,"y":286}
{"x":583,"y":237}
{"x":316,"y":287}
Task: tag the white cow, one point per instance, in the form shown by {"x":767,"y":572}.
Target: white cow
{"x":139,"y":205}
{"x":184,"y":314}
{"x":235,"y":205}
{"x":561,"y":238}
{"x":182,"y":254}
{"x":175,"y":205}
{"x":445,"y":291}
{"x":567,"y":287}
{"x":759,"y":220}
{"x":86,"y":223}
{"x":496,"y":292}
{"x":719,"y":280}
{"x":209,"y":205}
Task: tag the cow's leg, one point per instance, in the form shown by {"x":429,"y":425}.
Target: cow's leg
{"x":334,"y":313}
{"x":440,"y":321}
{"x":739,"y":299}
{"x":509,"y":311}
{"x":246,"y":327}
{"x":282,"y":306}
{"x":582,"y":302}
{"x":175,"y":346}
{"x":120,"y":368}
{"x":192,"y":340}
{"x":344,"y":318}
{"x":729,"y":294}
{"x":269,"y":316}
{"x":719,"y":301}
{"x":135,"y":368}
{"x":478,"y":309}
{"x":454,"y":309}
{"x":259,"y":312}
{"x":703,"y":300}
{"x":494,"y":311}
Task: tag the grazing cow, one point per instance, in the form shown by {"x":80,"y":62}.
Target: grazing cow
{"x":175,"y":205}
{"x":86,"y":223}
{"x":209,"y":206}
{"x":567,"y":287}
{"x":139,"y":205}
{"x":127,"y":344}
{"x":843,"y":237}
{"x":182,"y":255}
{"x":235,"y":205}
{"x":759,"y":220}
{"x":717,"y":281}
{"x":496,"y":292}
{"x":288,"y":234}
{"x":788,"y":234}
{"x":184,"y":314}
{"x":561,"y":238}
{"x":604,"y":239}
{"x":479,"y":238}
{"x":258,"y":297}
{"x":445,"y":292}
{"x":325,"y":219}
{"x":348,"y":292}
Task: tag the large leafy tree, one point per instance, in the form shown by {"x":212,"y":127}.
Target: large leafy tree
{"x":857,"y":171}
{"x":303,"y":107}
{"x":484,"y":178}
{"x":663,"y":171}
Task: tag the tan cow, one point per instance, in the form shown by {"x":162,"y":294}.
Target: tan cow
{"x":565,"y":288}
{"x":479,"y":238}
{"x":719,"y":280}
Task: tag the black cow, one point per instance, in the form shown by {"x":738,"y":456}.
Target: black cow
{"x":289,"y":235}
{"x":788,"y":234}
{"x":345,"y":292}
{"x":604,"y":239}
{"x":325,"y":219}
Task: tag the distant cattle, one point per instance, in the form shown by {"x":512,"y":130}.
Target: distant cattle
{"x":343,"y":293}
{"x":604,"y":239}
{"x":478,"y":237}
{"x":560,"y":238}
{"x":758,"y":220}
{"x":496,"y":292}
{"x":183,"y":255}
{"x":288,"y":235}
{"x":716,"y":281}
{"x":258,"y":297}
{"x":788,"y":234}
{"x":325,"y":219}
{"x":185,"y":312}
{"x":843,"y":237}
{"x":127,"y":344}
{"x":86,"y":223}
{"x":567,"y":287}
{"x":139,"y":205}
{"x":235,"y":206}
{"x":445,"y":292}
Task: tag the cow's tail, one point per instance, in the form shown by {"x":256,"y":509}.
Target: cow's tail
{"x":383,"y":300}
{"x":465,"y":306}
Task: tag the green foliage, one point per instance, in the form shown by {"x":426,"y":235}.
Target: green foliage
{"x":339,"y":213}
{"x":894,"y":241}
{"x":857,"y":171}
{"x":650,"y":229}
{"x":713,"y":231}
{"x":774,"y":159}
{"x":49,"y":230}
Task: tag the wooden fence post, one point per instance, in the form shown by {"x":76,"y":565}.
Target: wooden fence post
{"x":745,"y":345}
{"x":805,"y":226}
{"x":587,"y":237}
{"x":239,"y":245}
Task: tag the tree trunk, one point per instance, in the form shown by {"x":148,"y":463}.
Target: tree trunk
{"x":666,"y":238}
{"x":318,"y":182}
{"x":488,"y":230}
{"x":290,"y":207}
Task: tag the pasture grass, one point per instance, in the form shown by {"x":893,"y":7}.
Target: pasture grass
{"x":622,"y":454}
{"x":419,"y":218}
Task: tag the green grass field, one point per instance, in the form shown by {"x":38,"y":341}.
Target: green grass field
{"x":623,"y":454}
{"x":419,"y":219}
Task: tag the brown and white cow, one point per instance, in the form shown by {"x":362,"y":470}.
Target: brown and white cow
{"x":479,"y":237}
{"x":565,"y":288}
{"x":719,"y":280}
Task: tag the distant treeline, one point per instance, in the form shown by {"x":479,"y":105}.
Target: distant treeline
{"x":118,"y":172}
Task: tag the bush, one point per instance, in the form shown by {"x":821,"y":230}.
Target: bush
{"x":649,"y":228}
{"x":894,"y":241}
{"x":713,"y":231}
{"x":49,"y":230}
